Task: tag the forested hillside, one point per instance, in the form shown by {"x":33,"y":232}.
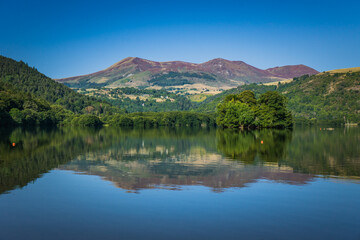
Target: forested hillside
{"x":28,"y":97}
{"x":29,"y":80}
{"x":20,"y":108}
{"x":326,"y":97}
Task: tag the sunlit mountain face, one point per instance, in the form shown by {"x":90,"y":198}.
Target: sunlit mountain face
{"x":216,"y":73}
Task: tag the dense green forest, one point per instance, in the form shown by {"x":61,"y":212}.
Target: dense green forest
{"x":245,"y":111}
{"x":29,"y":80}
{"x":27,"y":97}
{"x":20,"y":108}
{"x":155,"y":119}
{"x":176,"y":78}
{"x":322,"y":98}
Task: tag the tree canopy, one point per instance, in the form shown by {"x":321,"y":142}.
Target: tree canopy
{"x":244,"y":111}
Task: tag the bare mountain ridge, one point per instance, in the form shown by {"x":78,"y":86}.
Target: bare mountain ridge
{"x":291,"y":71}
{"x":138,"y":72}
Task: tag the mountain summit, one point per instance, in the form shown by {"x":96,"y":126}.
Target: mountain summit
{"x":216,"y":73}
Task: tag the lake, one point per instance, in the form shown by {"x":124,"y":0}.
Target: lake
{"x":181,"y":183}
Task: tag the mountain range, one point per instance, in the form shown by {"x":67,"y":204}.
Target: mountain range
{"x":28,"y":96}
{"x":214,"y":74}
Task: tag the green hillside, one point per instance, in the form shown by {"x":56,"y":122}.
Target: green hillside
{"x":28,"y":97}
{"x":324,"y":97}
{"x":29,"y":80}
{"x":20,"y":108}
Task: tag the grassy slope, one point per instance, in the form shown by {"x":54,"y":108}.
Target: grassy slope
{"x":345,"y":70}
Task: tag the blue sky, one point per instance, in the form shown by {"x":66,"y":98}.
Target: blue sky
{"x":68,"y":38}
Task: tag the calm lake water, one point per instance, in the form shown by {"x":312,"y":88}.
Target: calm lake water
{"x":180,"y":184}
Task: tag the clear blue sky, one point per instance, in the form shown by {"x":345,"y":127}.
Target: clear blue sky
{"x":68,"y":38}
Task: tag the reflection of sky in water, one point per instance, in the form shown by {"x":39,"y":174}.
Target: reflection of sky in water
{"x":63,"y":205}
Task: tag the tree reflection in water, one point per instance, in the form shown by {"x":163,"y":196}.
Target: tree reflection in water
{"x":135,"y":159}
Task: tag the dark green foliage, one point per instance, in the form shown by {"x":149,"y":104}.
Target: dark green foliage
{"x":242,"y":110}
{"x":171,"y":119}
{"x":28,"y":97}
{"x":272,"y":112}
{"x":121,"y":120}
{"x":273,"y":99}
{"x":234,"y":114}
{"x":20,"y":108}
{"x":247,"y":97}
{"x":87,"y":121}
{"x":169,"y":82}
{"x":29,"y":80}
{"x":330,"y":98}
{"x":178,"y":78}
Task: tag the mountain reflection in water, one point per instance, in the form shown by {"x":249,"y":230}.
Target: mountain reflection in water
{"x":136,"y":159}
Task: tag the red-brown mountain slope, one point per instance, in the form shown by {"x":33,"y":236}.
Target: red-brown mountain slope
{"x":133,"y":71}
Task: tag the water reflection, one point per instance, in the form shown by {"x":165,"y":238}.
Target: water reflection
{"x":174,"y":158}
{"x":40,"y":150}
{"x":249,"y":146}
